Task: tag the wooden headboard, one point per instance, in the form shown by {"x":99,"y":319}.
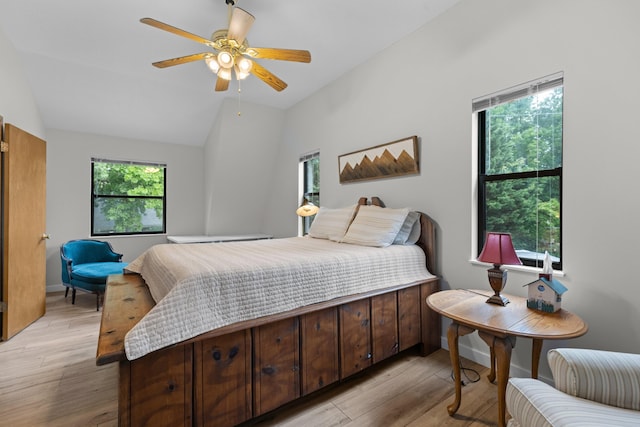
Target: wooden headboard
{"x":427,"y":239}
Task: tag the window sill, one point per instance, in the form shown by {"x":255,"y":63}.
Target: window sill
{"x":522,"y":268}
{"x":118,"y":236}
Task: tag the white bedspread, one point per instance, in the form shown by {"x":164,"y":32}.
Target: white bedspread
{"x":201,"y":287}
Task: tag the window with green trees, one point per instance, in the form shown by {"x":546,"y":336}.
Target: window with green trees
{"x":310,"y":184}
{"x":127,"y":198}
{"x":520,"y":168}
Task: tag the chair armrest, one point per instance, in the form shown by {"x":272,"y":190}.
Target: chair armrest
{"x":601,"y":376}
{"x":532,"y":403}
{"x":67,"y":265}
{"x":113,"y":256}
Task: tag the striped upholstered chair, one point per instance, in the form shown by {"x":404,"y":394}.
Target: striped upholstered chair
{"x":592,"y":388}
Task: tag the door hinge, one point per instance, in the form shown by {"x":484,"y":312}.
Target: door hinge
{"x":4,"y":147}
{"x":3,"y":306}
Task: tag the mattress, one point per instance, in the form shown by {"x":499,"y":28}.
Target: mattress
{"x":201,"y":287}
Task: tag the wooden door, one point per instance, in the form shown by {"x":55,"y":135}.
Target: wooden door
{"x":23,"y":172}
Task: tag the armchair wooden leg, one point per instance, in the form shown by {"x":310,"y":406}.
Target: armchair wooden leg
{"x":73,"y":296}
{"x":66,"y":291}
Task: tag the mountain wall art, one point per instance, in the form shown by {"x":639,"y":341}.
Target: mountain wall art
{"x":395,"y":158}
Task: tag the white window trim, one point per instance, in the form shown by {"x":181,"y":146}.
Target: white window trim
{"x":474,"y":169}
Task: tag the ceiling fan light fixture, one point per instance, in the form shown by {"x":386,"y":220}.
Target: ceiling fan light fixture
{"x":225,"y":59}
{"x":212,"y":64}
{"x":244,"y":64}
{"x":224,"y":73}
{"x":243,"y":67}
{"x":240,"y":75}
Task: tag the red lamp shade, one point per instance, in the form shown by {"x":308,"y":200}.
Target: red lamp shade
{"x":498,"y":250}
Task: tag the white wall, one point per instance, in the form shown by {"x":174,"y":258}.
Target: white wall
{"x":241,"y":155}
{"x":17,"y":104}
{"x":424,"y":85}
{"x":69,"y":190}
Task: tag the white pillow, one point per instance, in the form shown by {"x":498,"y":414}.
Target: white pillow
{"x":332,"y":223}
{"x":375,"y":226}
{"x":410,"y":230}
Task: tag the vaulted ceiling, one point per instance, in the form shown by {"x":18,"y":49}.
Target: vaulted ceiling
{"x":89,"y":62}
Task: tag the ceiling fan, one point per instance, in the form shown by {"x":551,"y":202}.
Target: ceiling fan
{"x":231,"y":51}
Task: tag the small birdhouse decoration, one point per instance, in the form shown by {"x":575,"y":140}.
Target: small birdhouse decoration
{"x":545,"y":294}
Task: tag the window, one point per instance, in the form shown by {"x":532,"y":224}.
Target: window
{"x":520,"y":168}
{"x":309,"y":175}
{"x":127,"y":198}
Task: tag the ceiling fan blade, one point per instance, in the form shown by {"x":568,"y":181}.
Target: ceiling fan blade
{"x":241,"y":22}
{"x":177,"y":31}
{"x":267,"y":76}
{"x":279,"y":54}
{"x":181,"y":60}
{"x":222,"y":84}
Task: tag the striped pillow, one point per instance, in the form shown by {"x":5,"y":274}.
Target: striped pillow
{"x":410,"y":230}
{"x":375,"y":226}
{"x":332,"y":223}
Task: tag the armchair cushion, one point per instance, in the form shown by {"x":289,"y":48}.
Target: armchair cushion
{"x":96,"y":272}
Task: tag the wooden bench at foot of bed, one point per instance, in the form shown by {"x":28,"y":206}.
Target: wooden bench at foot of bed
{"x":244,"y":370}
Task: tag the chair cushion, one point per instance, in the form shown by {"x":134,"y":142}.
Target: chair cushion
{"x":96,"y":272}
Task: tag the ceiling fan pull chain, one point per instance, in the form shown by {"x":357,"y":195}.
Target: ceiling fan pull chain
{"x":239,"y":92}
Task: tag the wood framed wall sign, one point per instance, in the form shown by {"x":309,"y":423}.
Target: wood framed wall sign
{"x":395,"y":158}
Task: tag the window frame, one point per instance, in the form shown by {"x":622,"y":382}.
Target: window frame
{"x":480,"y":107}
{"x":95,"y":197}
{"x":304,"y":185}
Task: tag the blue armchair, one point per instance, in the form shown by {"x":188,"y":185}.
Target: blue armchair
{"x":86,"y":264}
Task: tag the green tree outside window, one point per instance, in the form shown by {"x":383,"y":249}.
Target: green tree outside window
{"x":521,"y":173}
{"x":127,"y":198}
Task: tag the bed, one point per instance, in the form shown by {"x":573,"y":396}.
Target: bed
{"x":219,"y":334}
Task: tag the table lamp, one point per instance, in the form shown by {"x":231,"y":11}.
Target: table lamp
{"x":498,"y":250}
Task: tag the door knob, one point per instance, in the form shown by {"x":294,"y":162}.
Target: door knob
{"x":45,"y":236}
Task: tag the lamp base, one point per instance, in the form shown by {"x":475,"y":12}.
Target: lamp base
{"x":498,"y":299}
{"x":497,"y":280}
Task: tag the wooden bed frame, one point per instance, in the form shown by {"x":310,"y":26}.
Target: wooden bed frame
{"x":241,"y":371}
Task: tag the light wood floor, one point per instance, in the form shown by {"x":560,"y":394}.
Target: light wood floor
{"x":49,"y":378}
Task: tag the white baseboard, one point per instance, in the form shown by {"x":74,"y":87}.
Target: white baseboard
{"x":55,"y":288}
